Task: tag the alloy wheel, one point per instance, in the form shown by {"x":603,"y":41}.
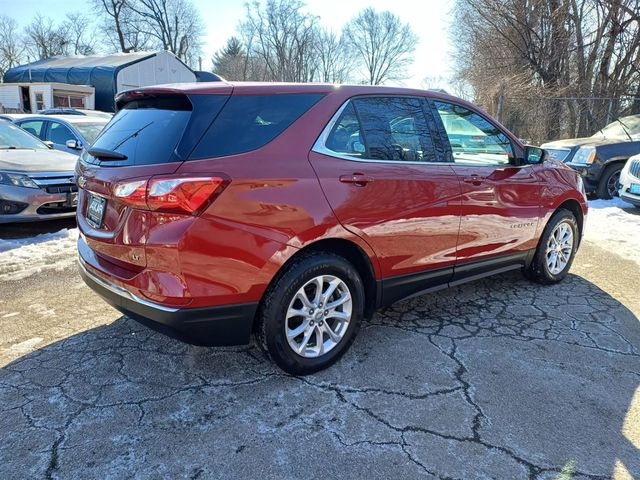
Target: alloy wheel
{"x":612,"y":184}
{"x":318,"y":316}
{"x":559,"y":248}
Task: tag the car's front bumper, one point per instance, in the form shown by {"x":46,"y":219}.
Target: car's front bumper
{"x":626,"y":180}
{"x":210,"y":326}
{"x":33,"y":204}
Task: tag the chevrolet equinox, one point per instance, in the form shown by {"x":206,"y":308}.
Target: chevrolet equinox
{"x":292,"y":211}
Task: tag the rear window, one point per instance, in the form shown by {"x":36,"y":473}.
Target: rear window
{"x":147,"y":130}
{"x":248,"y":122}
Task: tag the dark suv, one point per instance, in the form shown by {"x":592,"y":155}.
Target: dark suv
{"x":211,"y":211}
{"x":599,"y":159}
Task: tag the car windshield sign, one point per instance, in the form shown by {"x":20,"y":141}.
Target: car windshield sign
{"x":13,"y":137}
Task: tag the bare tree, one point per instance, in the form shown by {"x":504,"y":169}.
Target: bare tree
{"x":571,"y":62}
{"x":11,"y":45}
{"x":81,"y":39}
{"x":382,"y":43}
{"x":175,"y":25}
{"x":282,"y":39}
{"x":333,"y":56}
{"x":43,"y":39}
{"x":121,"y":26}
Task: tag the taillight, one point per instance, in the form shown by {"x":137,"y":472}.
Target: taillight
{"x":190,"y":195}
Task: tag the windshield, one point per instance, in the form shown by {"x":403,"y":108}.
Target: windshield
{"x":90,"y":131}
{"x":13,"y":137}
{"x":617,"y":129}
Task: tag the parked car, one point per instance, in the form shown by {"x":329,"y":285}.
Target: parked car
{"x":75,"y":111}
{"x":68,"y":133}
{"x":212,"y":211}
{"x":600,"y":158}
{"x":630,"y":181}
{"x":36,"y":182}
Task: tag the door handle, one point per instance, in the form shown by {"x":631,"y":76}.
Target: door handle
{"x":358,"y":179}
{"x":474,"y":179}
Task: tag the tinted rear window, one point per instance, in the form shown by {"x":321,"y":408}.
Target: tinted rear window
{"x":147,"y":130}
{"x":248,"y":122}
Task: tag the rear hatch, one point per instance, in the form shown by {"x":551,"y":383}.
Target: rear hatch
{"x":141,"y":148}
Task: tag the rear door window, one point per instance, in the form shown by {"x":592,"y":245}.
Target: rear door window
{"x":248,"y":122}
{"x":394,"y":129}
{"x":34,"y":127}
{"x":147,"y":130}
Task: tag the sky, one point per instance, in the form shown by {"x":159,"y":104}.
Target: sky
{"x":429,"y":19}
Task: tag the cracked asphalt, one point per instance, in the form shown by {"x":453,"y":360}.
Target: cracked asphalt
{"x":500,"y":378}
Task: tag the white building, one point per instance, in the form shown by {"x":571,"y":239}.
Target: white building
{"x":33,"y":97}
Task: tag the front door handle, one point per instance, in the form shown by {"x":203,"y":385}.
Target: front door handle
{"x":358,"y":179}
{"x":474,"y":179}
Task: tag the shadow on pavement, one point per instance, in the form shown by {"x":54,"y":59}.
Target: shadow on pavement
{"x":496,"y":379}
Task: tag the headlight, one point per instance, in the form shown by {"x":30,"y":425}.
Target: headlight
{"x":16,"y":180}
{"x":585,"y":156}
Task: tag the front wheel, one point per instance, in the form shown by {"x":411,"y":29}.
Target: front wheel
{"x":556,"y":249}
{"x":608,"y":185}
{"x":310,"y":316}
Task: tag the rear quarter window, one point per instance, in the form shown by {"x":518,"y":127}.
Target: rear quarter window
{"x":248,"y":122}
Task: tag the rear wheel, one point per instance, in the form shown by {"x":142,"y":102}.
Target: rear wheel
{"x":608,"y":185}
{"x":310,"y":316}
{"x":556,"y":249}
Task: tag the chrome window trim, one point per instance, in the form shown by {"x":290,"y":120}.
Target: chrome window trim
{"x":320,"y":147}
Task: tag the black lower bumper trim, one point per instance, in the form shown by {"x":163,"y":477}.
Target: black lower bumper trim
{"x":211,"y":326}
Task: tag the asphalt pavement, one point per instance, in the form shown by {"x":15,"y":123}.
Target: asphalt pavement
{"x":499,"y":378}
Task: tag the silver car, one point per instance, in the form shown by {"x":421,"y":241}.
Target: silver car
{"x":67,"y":133}
{"x":36,"y":182}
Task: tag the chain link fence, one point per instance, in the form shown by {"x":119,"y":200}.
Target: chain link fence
{"x":541,"y":119}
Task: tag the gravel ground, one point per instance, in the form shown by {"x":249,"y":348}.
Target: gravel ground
{"x":499,"y":378}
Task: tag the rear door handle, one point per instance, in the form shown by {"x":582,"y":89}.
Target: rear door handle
{"x":475,"y":179}
{"x":358,"y":179}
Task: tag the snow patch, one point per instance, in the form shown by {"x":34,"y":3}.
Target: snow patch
{"x":21,"y":258}
{"x":614,"y":225}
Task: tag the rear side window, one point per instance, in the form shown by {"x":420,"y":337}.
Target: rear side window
{"x":383,"y":128}
{"x":248,"y":122}
{"x":147,"y":130}
{"x":34,"y":127}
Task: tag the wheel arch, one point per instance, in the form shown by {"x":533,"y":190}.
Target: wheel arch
{"x":354,"y":254}
{"x":574,"y":207}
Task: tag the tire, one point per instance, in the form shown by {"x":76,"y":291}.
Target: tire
{"x":297,"y":283}
{"x":610,"y":175}
{"x":540,"y":270}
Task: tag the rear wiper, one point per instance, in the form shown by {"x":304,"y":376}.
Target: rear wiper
{"x":104,"y":154}
{"x":134,"y":134}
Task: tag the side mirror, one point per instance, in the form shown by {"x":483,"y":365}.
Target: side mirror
{"x":76,"y":145}
{"x":533,"y":155}
{"x":49,"y":144}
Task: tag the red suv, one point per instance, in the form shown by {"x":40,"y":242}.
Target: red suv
{"x":214,"y":211}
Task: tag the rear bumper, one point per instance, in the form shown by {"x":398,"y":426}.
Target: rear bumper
{"x":211,"y":326}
